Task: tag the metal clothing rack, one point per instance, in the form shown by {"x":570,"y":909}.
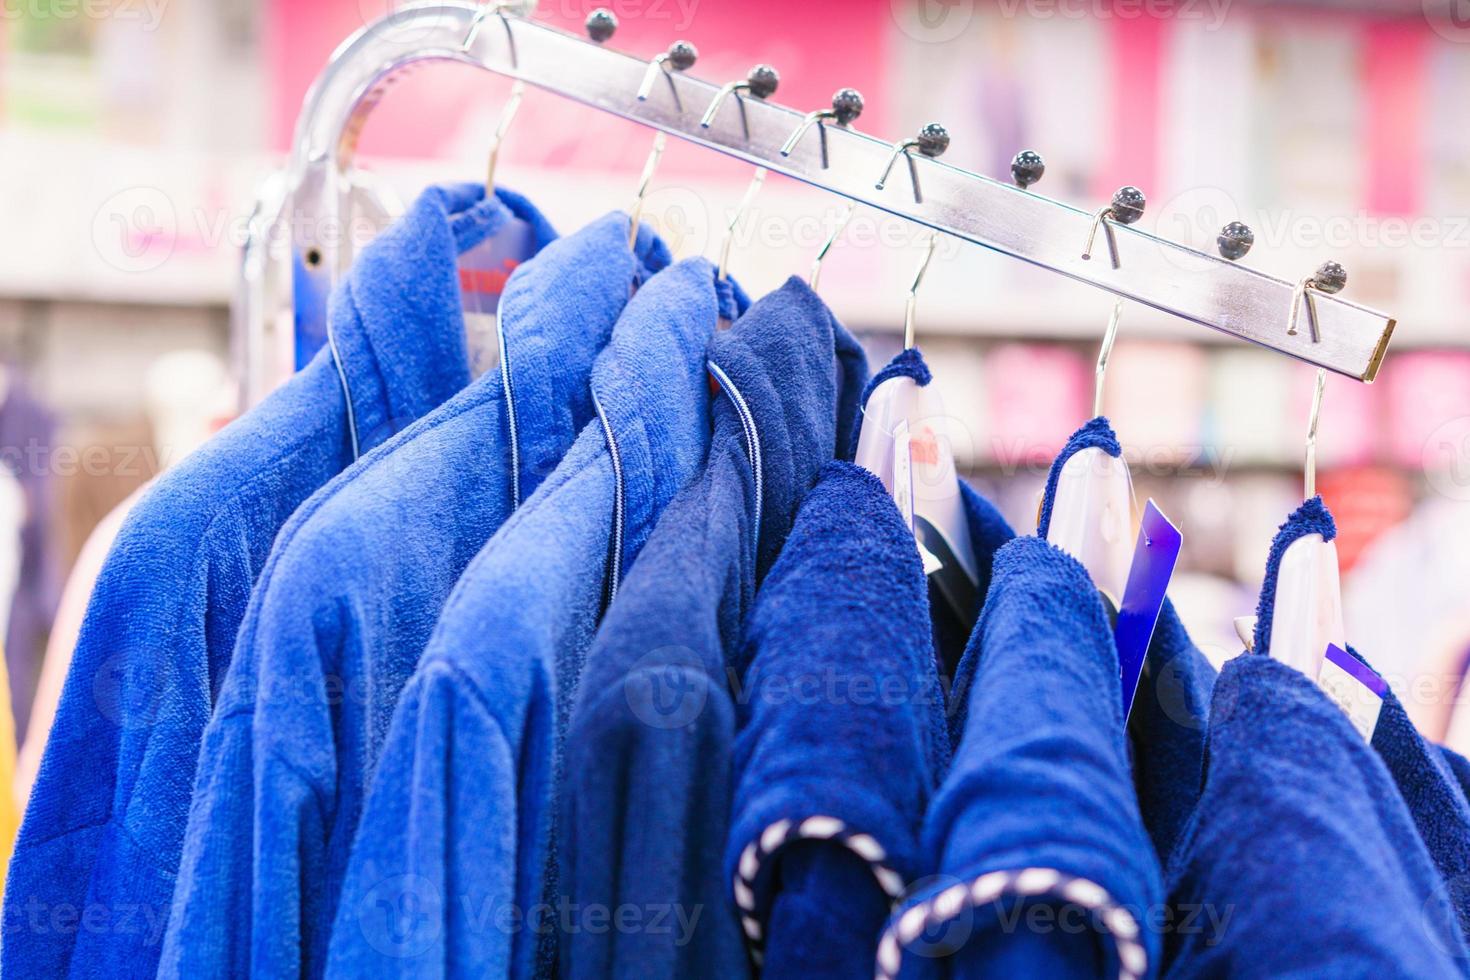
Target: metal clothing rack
{"x":1347,"y":338}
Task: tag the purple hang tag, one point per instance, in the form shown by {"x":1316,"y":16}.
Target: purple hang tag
{"x":1357,"y":669}
{"x":1154,"y":558}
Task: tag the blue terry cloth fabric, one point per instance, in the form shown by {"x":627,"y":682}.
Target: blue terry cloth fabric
{"x":105,"y":825}
{"x":646,"y":802}
{"x":843,"y":734}
{"x":1038,"y":809}
{"x":1166,"y":730}
{"x":345,"y":605}
{"x":1459,"y":767}
{"x":1429,"y":787}
{"x":462,"y":803}
{"x":1434,"y":796}
{"x":1301,"y":859}
{"x":1170,"y":714}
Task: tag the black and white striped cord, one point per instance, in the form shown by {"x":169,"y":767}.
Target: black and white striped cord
{"x":758,"y":853}
{"x":948,"y":904}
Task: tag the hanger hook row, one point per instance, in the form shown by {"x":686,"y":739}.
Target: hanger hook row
{"x":681,"y":56}
{"x":1125,"y":208}
{"x":847,"y":105}
{"x":497,"y":9}
{"x":932,"y":141}
{"x":1329,"y":278}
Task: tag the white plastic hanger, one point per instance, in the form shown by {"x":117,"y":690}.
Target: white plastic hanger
{"x":1092,"y":512}
{"x":1306,"y":614}
{"x":940,"y":523}
{"x":941,"y":528}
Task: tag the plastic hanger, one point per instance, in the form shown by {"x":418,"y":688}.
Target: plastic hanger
{"x":1092,"y":513}
{"x":1306,"y":614}
{"x":940,"y":526}
{"x":939,"y":512}
{"x":1306,"y":611}
{"x":900,"y":405}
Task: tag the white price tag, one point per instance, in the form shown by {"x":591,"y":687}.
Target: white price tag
{"x":1353,"y":688}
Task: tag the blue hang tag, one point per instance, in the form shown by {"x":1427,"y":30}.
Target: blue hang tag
{"x":1154,"y":558}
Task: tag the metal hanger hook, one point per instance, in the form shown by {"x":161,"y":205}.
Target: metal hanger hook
{"x":932,"y":141}
{"x":649,"y":168}
{"x":837,"y":231}
{"x":1309,"y":471}
{"x":1125,"y":208}
{"x":507,"y":115}
{"x":847,"y":105}
{"x":1104,"y":353}
{"x":1329,"y":278}
{"x":681,"y":56}
{"x":911,"y":303}
{"x":756,"y":182}
{"x":497,"y":9}
{"x":761,"y":82}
